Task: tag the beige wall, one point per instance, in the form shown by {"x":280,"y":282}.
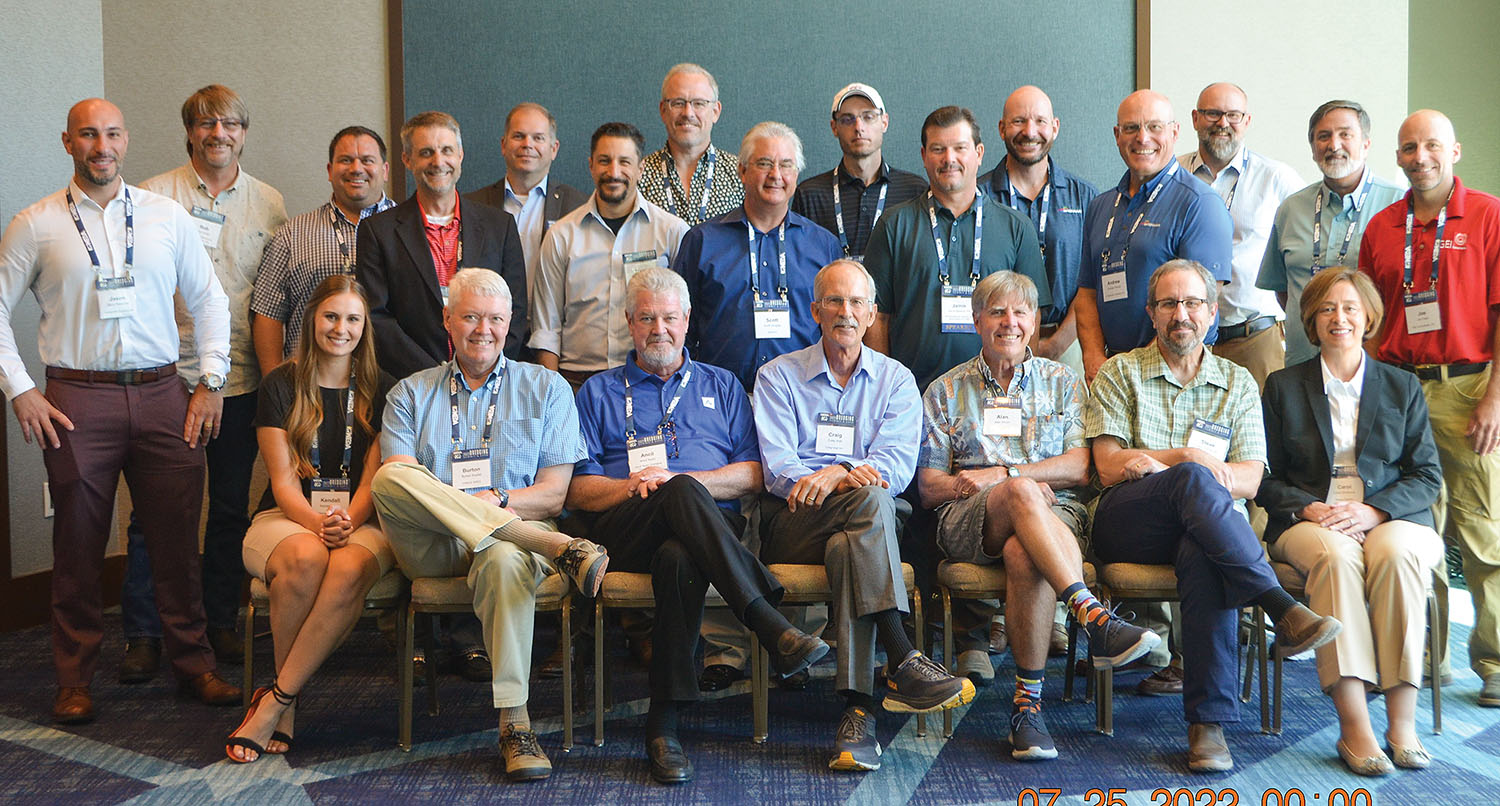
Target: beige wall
{"x":1453,"y":67}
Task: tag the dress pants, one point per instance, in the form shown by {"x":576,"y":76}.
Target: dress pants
{"x":1182,"y":516}
{"x":1262,"y":352}
{"x":138,"y":429}
{"x":681,"y":536}
{"x":855,"y":536}
{"x":438,"y":531}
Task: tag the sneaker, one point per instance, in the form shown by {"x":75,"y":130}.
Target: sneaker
{"x":522,"y":753}
{"x":1164,"y":681}
{"x":855,"y":747}
{"x":1489,"y":694}
{"x":1029,"y":739}
{"x":976,"y":665}
{"x":920,"y":685}
{"x":1114,"y":642}
{"x":585,"y":562}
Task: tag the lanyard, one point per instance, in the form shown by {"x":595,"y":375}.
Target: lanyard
{"x":489,"y":415}
{"x":1046,"y":203}
{"x":974,"y":268}
{"x":1115,"y":213}
{"x":89,"y":244}
{"x":1442,"y":220}
{"x":666,"y":416}
{"x":671,"y":188}
{"x":780,"y":259}
{"x":348,"y":437}
{"x":993,"y":386}
{"x":838,"y":209}
{"x":1244,"y":166}
{"x":1356,"y":202}
{"x":338,"y":232}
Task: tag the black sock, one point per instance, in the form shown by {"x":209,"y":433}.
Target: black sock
{"x":892,"y":636}
{"x":767,"y":622}
{"x":859,"y":699}
{"x":661,"y":720}
{"x":1276,"y":602}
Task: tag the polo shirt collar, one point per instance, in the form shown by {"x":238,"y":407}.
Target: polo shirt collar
{"x":1210,"y":371}
{"x":1161,"y":176}
{"x":816,"y":364}
{"x":636,"y":376}
{"x":1456,"y":203}
{"x":1000,"y":179}
{"x":882,"y":174}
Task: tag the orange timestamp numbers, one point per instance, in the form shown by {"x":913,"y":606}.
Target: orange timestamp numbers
{"x":1205,"y":797}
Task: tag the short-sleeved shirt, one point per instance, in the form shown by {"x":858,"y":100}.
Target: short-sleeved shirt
{"x":903,"y":260}
{"x":714,"y":259}
{"x":1051,"y":396}
{"x":662,"y":186}
{"x":535,"y":424}
{"x":1136,"y":399}
{"x":1187,"y":220}
{"x":1067,"y":200}
{"x":814,"y":199}
{"x":1468,"y":286}
{"x":1287,"y":265}
{"x":273,"y":405}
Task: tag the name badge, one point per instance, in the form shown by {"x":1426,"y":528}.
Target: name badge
{"x":958,"y":310}
{"x":442,"y":289}
{"x":471,"y":468}
{"x":328,"y":493}
{"x":835,"y":434}
{"x":1115,"y":287}
{"x":860,"y":259}
{"x":210,"y":225}
{"x":116,"y":297}
{"x":1211,"y":438}
{"x":1422,"y":315}
{"x":636,"y":261}
{"x":1002,"y":417}
{"x":1346,"y":485}
{"x":773,"y":319}
{"x":647,"y":452}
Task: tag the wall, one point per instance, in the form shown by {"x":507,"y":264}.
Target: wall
{"x":1453,"y":65}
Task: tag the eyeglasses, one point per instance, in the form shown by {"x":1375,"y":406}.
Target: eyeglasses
{"x":856,"y":304}
{"x":867,"y":117}
{"x":1233,"y":116}
{"x":1193,"y":304}
{"x":229,"y":124}
{"x":765,"y":165}
{"x":1154,"y":127}
{"x":678,"y":104}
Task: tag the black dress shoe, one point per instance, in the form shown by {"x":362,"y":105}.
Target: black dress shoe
{"x":795,"y":651}
{"x":719,"y":676}
{"x":796,"y":681}
{"x":474,"y":666}
{"x":142,"y":660}
{"x":669,"y":765}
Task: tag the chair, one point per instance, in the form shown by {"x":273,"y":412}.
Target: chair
{"x":1126,"y":582}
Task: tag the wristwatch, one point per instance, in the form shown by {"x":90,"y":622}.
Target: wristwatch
{"x":503,"y":495}
{"x":848,"y":466}
{"x":212,"y":381}
{"x":1012,"y":471}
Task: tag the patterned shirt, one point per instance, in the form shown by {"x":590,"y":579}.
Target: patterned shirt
{"x":814,"y":199}
{"x":1052,"y":398}
{"x":661,"y":185}
{"x":307,"y":250}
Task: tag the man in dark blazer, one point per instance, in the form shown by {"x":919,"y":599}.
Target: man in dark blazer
{"x":405,"y":255}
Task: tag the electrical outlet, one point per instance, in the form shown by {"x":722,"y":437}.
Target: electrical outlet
{"x":46,"y":500}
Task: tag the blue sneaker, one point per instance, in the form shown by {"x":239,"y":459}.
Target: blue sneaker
{"x":1029,"y":739}
{"x":855,"y":747}
{"x":1114,"y":642}
{"x":920,"y":685}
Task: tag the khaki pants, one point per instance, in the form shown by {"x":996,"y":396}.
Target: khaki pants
{"x":1262,"y":353}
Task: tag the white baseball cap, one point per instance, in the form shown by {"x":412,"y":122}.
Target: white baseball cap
{"x":857,"y":89}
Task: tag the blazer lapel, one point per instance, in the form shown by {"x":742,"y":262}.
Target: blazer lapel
{"x":1369,"y":404}
{"x":414,"y":238}
{"x":1317,"y":403}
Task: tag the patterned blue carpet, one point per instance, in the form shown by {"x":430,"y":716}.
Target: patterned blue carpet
{"x":149,"y":746}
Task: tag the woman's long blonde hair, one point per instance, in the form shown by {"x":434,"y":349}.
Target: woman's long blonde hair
{"x":307,"y":399}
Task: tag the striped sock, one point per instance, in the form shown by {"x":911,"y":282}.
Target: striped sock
{"x":1085,"y":607}
{"x":1028,"y":687}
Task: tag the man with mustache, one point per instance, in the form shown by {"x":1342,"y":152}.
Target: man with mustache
{"x":103,"y":261}
{"x":589,"y":256}
{"x":317,"y":245}
{"x":688,"y":177}
{"x":1321,"y":225}
{"x":1252,"y":186}
{"x":1179,"y":444}
{"x":1435,"y":257}
{"x":849,"y":199}
{"x":236,"y":214}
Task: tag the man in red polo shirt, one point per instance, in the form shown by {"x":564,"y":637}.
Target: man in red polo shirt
{"x":1435,"y":256}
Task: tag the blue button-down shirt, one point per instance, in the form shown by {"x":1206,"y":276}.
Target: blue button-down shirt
{"x":1187,"y":220}
{"x":1063,"y":252}
{"x":535,"y":425}
{"x":714,"y":260}
{"x":794,"y":389}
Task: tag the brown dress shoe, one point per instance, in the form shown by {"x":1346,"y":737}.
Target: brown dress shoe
{"x":73,"y":706}
{"x":211,"y":689}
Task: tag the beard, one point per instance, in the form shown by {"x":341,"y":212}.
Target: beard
{"x":1220,"y":149}
{"x":1339,"y":169}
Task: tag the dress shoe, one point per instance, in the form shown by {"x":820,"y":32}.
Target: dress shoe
{"x":211,"y":689}
{"x":1164,"y":681}
{"x":142,"y":660}
{"x":1371,"y":766}
{"x":474,"y":666}
{"x":1489,"y":696}
{"x":227,"y":645}
{"x":998,"y":640}
{"x":551,"y":666}
{"x":73,"y":706}
{"x":1300,"y":629}
{"x":522,"y":754}
{"x":976,"y":665}
{"x":795,"y":651}
{"x":1207,"y":751}
{"x":419,"y":668}
{"x":1057,"y":645}
{"x":1409,"y":758}
{"x":669,"y":765}
{"x":796,"y":681}
{"x":719,"y":676}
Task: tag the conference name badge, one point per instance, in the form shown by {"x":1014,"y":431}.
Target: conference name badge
{"x":636,"y":261}
{"x":210,"y":226}
{"x":471,"y":468}
{"x":116,"y":297}
{"x":773,"y":319}
{"x":1346,"y":485}
{"x":957,"y":310}
{"x":1114,"y":286}
{"x":1422,"y":315}
{"x":1002,"y":417}
{"x":835,"y":434}
{"x":1210,"y":437}
{"x":328,"y":493}
{"x":647,"y":452}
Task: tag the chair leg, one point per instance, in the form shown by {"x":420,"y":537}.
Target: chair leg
{"x":1247,"y":656}
{"x":1434,"y":660}
{"x":1104,"y":701}
{"x":567,"y":672}
{"x":249,"y":671}
{"x":1261,"y":652}
{"x":1069,"y":674}
{"x":760,"y":685}
{"x":598,"y":673}
{"x":406,"y":628}
{"x":430,"y":648}
{"x":916,"y":618}
{"x":948,"y":658}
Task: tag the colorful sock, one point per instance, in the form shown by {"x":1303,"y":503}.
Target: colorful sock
{"x":1028,"y":687}
{"x":1085,"y":607}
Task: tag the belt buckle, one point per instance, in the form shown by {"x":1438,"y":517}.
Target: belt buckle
{"x":127,"y":377}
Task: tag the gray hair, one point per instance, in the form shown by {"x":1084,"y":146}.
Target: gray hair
{"x":480,"y":282}
{"x":656,"y":280}
{"x":429,"y":120}
{"x":843,"y":261}
{"x":1005,"y":285}
{"x":771,"y":130}
{"x":1329,"y":106}
{"x":1210,"y":285}
{"x":690,"y":69}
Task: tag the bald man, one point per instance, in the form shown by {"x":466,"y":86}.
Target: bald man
{"x":103,"y":261}
{"x":1156,"y":213}
{"x":1252,"y":186}
{"x":1440,"y":307}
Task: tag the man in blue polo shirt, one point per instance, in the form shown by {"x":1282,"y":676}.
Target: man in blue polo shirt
{"x":750,"y":270}
{"x":1158,"y":212}
{"x":671,"y":449}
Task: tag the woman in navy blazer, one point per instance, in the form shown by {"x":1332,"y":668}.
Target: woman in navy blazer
{"x":1354,"y":474}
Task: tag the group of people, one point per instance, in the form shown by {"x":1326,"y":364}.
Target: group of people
{"x":704,"y":367}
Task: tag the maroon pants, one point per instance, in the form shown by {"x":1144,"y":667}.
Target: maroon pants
{"x":136,"y":429}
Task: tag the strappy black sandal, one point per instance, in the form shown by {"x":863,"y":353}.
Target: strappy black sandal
{"x":240,"y":741}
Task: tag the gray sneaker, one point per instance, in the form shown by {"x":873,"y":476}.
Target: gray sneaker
{"x":1114,"y":642}
{"x":1029,"y":739}
{"x":920,"y":685}
{"x":855,"y":748}
{"x":585,"y":562}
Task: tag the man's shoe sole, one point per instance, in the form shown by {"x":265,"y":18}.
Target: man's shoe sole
{"x":1211,"y":765}
{"x":963,"y":696}
{"x":1328,"y":632}
{"x":1031,"y":753}
{"x":846,"y":762}
{"x":1489,"y":702}
{"x":529,"y":774}
{"x":1148,"y":641}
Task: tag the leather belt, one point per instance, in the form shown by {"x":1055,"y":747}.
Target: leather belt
{"x":1246,"y":328}
{"x":120,"y":376}
{"x":1442,"y":372}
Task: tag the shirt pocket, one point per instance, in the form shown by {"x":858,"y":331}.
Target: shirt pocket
{"x":518,"y":446}
{"x":1050,"y":433}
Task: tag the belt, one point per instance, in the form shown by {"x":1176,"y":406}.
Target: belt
{"x":120,"y":376}
{"x":1246,"y":328}
{"x":1048,"y":330}
{"x":1442,"y":372}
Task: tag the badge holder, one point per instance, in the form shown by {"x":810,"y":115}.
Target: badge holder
{"x":1211,"y":438}
{"x":958,"y":309}
{"x":773,"y":319}
{"x":329,"y":493}
{"x":116,"y":296}
{"x":835,"y":434}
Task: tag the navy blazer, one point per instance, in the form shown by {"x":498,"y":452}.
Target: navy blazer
{"x":1394,"y":451}
{"x":394,"y":264}
{"x":562,"y":199}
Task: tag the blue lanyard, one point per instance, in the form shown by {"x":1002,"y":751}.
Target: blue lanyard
{"x":671,"y":189}
{"x":1437,"y":243}
{"x":1356,"y":201}
{"x":755,"y":271}
{"x":1244,"y":166}
{"x":937,"y":240}
{"x":1046,"y":204}
{"x":89,"y":244}
{"x":489,"y":415}
{"x":1115,"y":214}
{"x":666,"y":416}
{"x":838,"y":208}
{"x":348,"y":437}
